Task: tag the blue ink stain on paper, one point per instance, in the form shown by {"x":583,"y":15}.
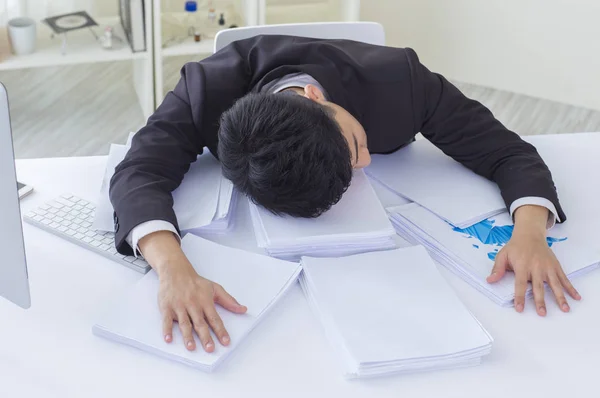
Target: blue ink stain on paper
{"x":489,"y":234}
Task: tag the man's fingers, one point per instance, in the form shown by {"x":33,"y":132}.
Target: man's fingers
{"x":215,"y":322}
{"x":557,"y":289}
{"x":537,"y":281}
{"x":167,"y":326}
{"x":227,"y":301}
{"x":185,"y":325}
{"x":201,"y":327}
{"x":568,"y":286}
{"x":520,"y":290}
{"x":500,"y":265}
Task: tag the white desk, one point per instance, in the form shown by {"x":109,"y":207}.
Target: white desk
{"x":49,"y":350}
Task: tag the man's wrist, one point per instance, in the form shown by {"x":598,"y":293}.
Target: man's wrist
{"x":531,"y":219}
{"x":162,"y":251}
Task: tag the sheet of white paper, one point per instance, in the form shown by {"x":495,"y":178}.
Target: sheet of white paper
{"x":103,"y":216}
{"x":359,"y":212}
{"x":393,"y":325}
{"x":254,"y":280}
{"x":387,"y":197}
{"x":424,"y":174}
{"x":195,"y":201}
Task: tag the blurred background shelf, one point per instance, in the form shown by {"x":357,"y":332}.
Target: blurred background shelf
{"x":82,"y":47}
{"x":189,"y":47}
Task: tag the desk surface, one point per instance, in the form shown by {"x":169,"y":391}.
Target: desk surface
{"x":49,"y":350}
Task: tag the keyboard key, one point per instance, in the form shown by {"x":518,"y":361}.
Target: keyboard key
{"x":44,"y":207}
{"x":87,"y":239}
{"x":82,"y":230}
{"x":90,"y":206}
{"x":50,"y":216}
{"x":64,"y":202}
{"x":90,"y":233}
{"x":108,"y":241}
{"x":62,"y":228}
{"x":95,"y":243}
{"x":61,"y":213}
{"x":77,"y":221}
{"x":74,"y":213}
{"x":66,"y":223}
{"x":130,"y":259}
{"x":112,"y":250}
{"x":140,"y":263}
{"x":78,"y":207}
{"x":30,"y":214}
{"x":55,"y":204}
{"x":38,"y":218}
{"x":70,"y":218}
{"x":55,"y":218}
{"x":40,"y":212}
{"x":105,"y":247}
{"x":45,"y":221}
{"x":83,"y":202}
{"x":66,"y":196}
{"x":70,"y":232}
{"x":54,"y":225}
{"x":79,"y":236}
{"x":53,"y":210}
{"x":86,"y":211}
{"x":86,"y":224}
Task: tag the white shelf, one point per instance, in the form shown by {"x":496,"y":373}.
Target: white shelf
{"x":82,"y":48}
{"x":189,"y":47}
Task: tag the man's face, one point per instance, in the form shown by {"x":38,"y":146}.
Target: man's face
{"x":351,"y":128}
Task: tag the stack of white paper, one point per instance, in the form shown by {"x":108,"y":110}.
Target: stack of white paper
{"x":470,"y":252}
{"x":392,"y":312}
{"x":423,"y":174}
{"x":254,"y":280}
{"x":356,"y":224}
{"x":202,"y":202}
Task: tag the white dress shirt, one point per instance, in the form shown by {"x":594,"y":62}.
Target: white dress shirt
{"x":302,"y":80}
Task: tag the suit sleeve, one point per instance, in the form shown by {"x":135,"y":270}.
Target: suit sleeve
{"x":160,"y":155}
{"x":467,"y":131}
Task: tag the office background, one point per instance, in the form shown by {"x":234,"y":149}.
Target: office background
{"x":534,"y":63}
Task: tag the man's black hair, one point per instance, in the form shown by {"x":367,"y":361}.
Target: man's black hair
{"x":286,"y":152}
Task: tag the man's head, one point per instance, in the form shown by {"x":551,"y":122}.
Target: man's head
{"x":291,"y":152}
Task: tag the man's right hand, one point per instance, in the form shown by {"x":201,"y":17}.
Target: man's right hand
{"x":184,"y":296}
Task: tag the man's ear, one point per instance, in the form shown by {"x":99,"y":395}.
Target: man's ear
{"x":312,"y":92}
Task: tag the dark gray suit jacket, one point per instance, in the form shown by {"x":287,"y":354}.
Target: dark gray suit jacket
{"x":387,"y":89}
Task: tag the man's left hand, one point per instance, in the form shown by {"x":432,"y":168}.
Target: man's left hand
{"x":528,"y":255}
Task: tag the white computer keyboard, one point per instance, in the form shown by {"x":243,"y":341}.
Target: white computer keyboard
{"x":71,"y":218}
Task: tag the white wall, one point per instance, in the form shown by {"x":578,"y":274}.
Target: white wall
{"x":544,"y":48}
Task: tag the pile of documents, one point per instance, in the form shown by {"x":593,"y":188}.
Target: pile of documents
{"x":358,"y":223}
{"x":470,"y":252}
{"x":423,"y":174}
{"x":256,"y":281}
{"x":202,"y":203}
{"x":391,"y":312}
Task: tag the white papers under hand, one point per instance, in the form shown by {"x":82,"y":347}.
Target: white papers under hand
{"x":255,"y":280}
{"x":470,"y":252}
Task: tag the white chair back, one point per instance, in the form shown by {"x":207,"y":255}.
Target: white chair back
{"x":366,"y":32}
